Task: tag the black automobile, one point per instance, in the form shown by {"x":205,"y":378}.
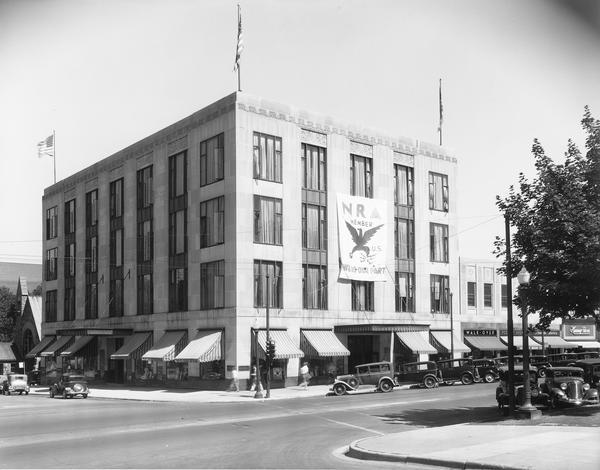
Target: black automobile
{"x":487,"y":369}
{"x":70,"y":385}
{"x":591,"y":371}
{"x":566,"y":386}
{"x":425,"y":374}
{"x":562,"y":360}
{"x":541,"y":362}
{"x":502,"y":392}
{"x":378,"y":374}
{"x":462,"y":370}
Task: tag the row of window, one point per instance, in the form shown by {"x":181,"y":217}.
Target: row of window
{"x":488,"y":296}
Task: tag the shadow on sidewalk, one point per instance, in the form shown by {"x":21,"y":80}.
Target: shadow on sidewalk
{"x":434,"y":417}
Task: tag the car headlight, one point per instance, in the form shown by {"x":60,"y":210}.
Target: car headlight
{"x":68,"y":389}
{"x":586,"y":387}
{"x":563,"y":386}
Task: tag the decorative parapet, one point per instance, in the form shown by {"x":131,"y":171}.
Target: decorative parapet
{"x":313,"y":138}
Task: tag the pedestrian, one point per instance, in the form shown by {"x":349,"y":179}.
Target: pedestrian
{"x":235,"y":381}
{"x":305,"y":375}
{"x":253,"y":379}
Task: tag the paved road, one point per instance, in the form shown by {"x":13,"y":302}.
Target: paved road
{"x":38,"y":432}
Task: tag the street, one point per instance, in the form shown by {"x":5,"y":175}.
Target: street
{"x":41,"y":432}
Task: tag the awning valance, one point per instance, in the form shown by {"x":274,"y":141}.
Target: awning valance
{"x":205,"y":347}
{"x":553,"y":342}
{"x":416,"y":341}
{"x":6,"y":353}
{"x":134,"y":346}
{"x":79,"y":344}
{"x":442,"y":338}
{"x":57,"y":347}
{"x":585,"y":344}
{"x":518,"y":342}
{"x":485,"y":343}
{"x":167,"y":347}
{"x":38,"y":348}
{"x":321,"y":343}
{"x":285,"y":348}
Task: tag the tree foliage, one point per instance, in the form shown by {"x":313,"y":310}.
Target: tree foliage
{"x":9,"y":308}
{"x":556,"y":224}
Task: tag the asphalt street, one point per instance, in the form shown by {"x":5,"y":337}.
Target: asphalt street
{"x":39,"y":432}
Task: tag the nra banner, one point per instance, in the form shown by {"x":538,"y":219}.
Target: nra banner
{"x":362,"y":229}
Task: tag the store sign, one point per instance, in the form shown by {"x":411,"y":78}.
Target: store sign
{"x":100,"y":332}
{"x":580,"y":330}
{"x":362,"y":225}
{"x":480,"y":332}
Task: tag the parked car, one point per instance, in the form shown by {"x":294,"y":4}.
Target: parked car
{"x":379,"y":374}
{"x":541,"y":362}
{"x":562,"y":360}
{"x":502,"y":361}
{"x":15,"y":383}
{"x":487,"y":369}
{"x":591,"y":371}
{"x":502,"y":392}
{"x":3,"y":379}
{"x":458,"y":369}
{"x":565,"y":386}
{"x":34,"y":377}
{"x":70,"y":385}
{"x":424,"y":373}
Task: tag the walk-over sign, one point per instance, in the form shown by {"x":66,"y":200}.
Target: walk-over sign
{"x":362,"y":225}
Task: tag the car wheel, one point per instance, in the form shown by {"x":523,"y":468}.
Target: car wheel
{"x":353,"y":383}
{"x":386,"y":386}
{"x":542,"y":373}
{"x":84,"y":395}
{"x":64,"y":395}
{"x":466,"y":379}
{"x":339,"y":389}
{"x":429,"y":382}
{"x":489,"y":378}
{"x":26,"y":393}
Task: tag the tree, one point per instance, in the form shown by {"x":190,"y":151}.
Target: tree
{"x":37,"y":290}
{"x":557,"y":239}
{"x":9,"y":307}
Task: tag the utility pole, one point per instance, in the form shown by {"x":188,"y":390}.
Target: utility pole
{"x":509,"y":321}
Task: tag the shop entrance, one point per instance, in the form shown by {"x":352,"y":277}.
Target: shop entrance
{"x":363,"y":349}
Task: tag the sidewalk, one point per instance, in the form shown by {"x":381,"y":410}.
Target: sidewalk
{"x":501,"y":446}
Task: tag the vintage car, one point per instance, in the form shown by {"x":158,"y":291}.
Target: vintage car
{"x":425,"y":374}
{"x":591,"y":371}
{"x":541,"y":362}
{"x":562,"y":360}
{"x":458,"y":369}
{"x":487,"y":369}
{"x":379,"y":374}
{"x":70,"y":385}
{"x":15,"y":383}
{"x":34,"y":377}
{"x":502,"y":392}
{"x":565,"y":386}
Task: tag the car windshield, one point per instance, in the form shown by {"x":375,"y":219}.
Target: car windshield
{"x":73,"y":378}
{"x":567,"y":373}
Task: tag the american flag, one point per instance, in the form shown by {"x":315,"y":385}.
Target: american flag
{"x":441,"y":107}
{"x":46,"y":146}
{"x":240,"y":42}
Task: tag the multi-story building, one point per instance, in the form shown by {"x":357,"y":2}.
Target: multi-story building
{"x":164,"y":259}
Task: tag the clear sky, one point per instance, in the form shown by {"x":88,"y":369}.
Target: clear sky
{"x":106,"y":74}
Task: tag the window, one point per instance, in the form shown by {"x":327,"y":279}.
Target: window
{"x":146,"y":238}
{"x":116,"y":198}
{"x":438,"y":192}
{"x":361,"y":176}
{"x":145,"y":195}
{"x":487,"y":295}
{"x":314,"y":227}
{"x":178,"y":175}
{"x":51,"y":264}
{"x":116,"y":298}
{"x":405,"y":239}
{"x":145,"y":241}
{"x":91,"y":208}
{"x":212,"y":285}
{"x":212,"y":155}
{"x":504,"y":296}
{"x":52,"y":223}
{"x":405,"y":292}
{"x":314,"y":287}
{"x":440,"y":293}
{"x":91,"y":300}
{"x":70,"y":260}
{"x":471,"y":294}
{"x":212,"y":222}
{"x":267,"y":157}
{"x":272,"y":269}
{"x":362,"y":296}
{"x":70,"y":216}
{"x":438,"y":235}
{"x":145,"y":294}
{"x":51,"y":305}
{"x":403,"y":185}
{"x":267,"y":220}
{"x":69,"y":304}
{"x":178,"y":290}
{"x":314,"y":168}
{"x":116,"y":248}
{"x":177,"y":229}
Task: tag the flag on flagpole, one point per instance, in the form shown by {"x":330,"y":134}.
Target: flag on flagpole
{"x":240,"y":42}
{"x":441,"y":107}
{"x":46,"y":147}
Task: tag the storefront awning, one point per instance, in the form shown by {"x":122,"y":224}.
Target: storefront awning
{"x":76,"y":346}
{"x":134,"y":346}
{"x":416,"y":341}
{"x":57,"y":347}
{"x":585,"y":344}
{"x":485,"y":343}
{"x":285,"y":348}
{"x":443,"y":340}
{"x":38,"y":348}
{"x":321,"y":343}
{"x":553,"y":341}
{"x":6,"y":353}
{"x":518,"y":342}
{"x":205,"y":347}
{"x":167,"y":347}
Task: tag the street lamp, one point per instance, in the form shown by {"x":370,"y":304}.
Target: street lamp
{"x":526,"y":410}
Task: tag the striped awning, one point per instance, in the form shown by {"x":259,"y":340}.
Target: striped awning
{"x":443,"y":342}
{"x":553,"y":341}
{"x":79,"y":344}
{"x":6,"y":353}
{"x":321,"y":343}
{"x":134,"y":346}
{"x":285,"y":348}
{"x":205,"y":347}
{"x":416,"y":341}
{"x":38,"y":348}
{"x":485,"y":343}
{"x":585,"y":344}
{"x":167,"y":347}
{"x":518,"y":342}
{"x":58,"y":346}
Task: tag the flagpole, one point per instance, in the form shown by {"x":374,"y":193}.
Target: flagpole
{"x":54,"y":153}
{"x":238,"y":62}
{"x":441,"y":111}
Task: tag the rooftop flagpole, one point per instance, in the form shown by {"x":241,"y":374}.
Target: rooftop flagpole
{"x":54,"y":153}
{"x":441,"y":113}
{"x":239,"y":48}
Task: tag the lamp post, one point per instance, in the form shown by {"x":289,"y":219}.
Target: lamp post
{"x":451,"y":329}
{"x":526,"y":410}
{"x":509,"y":322}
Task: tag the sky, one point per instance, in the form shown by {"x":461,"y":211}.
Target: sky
{"x":103,"y":75}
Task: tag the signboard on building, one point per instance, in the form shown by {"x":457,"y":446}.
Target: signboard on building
{"x":579,"y":330}
{"x":362,"y":229}
{"x":480,"y":332}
